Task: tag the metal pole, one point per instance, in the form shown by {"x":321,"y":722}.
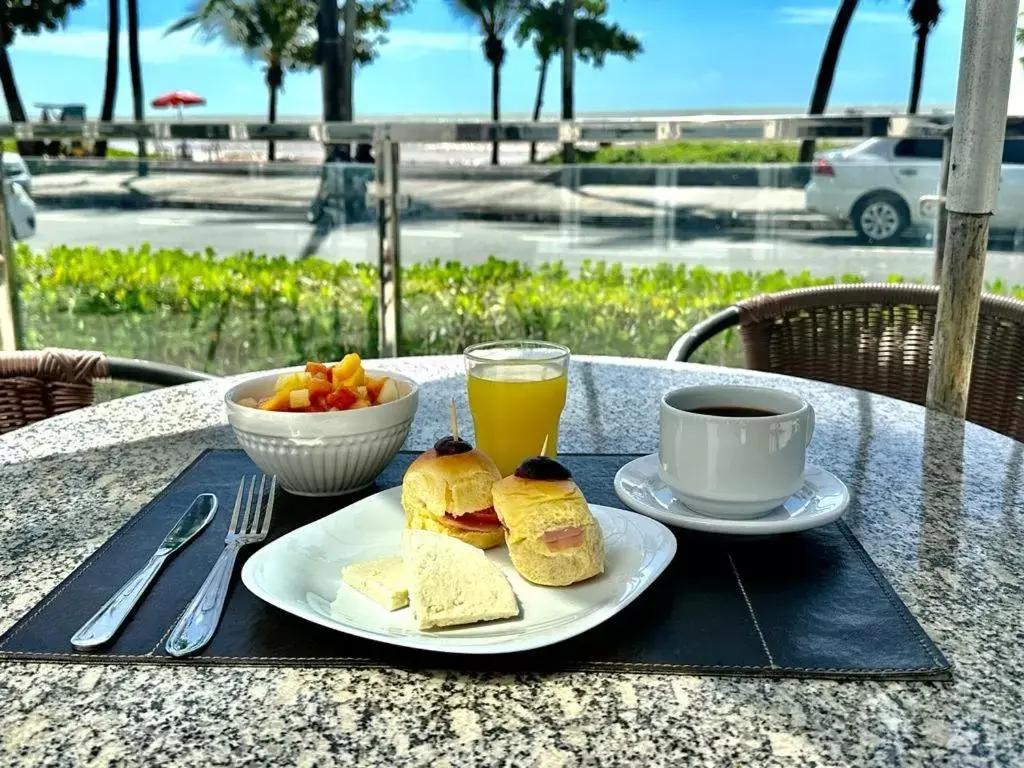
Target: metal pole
{"x":348,"y":60}
{"x":135,"y":67}
{"x":979,"y":128}
{"x":10,"y":320}
{"x":940,"y":213}
{"x":389,"y":299}
{"x":568,"y":59}
{"x":331,"y":61}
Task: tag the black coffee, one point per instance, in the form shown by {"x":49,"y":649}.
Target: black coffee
{"x":734,"y":411}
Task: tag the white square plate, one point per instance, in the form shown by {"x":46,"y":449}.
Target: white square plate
{"x":301,"y":573}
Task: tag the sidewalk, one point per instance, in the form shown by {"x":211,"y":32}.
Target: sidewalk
{"x":501,"y":199}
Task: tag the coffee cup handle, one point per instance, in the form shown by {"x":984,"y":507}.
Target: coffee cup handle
{"x":810,"y":425}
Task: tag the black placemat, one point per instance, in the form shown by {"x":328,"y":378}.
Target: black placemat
{"x":808,"y":604}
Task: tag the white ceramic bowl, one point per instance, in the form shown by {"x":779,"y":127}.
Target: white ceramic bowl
{"x":321,"y":454}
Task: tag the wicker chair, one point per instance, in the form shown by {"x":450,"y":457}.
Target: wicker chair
{"x":876,"y":337}
{"x":35,"y":385}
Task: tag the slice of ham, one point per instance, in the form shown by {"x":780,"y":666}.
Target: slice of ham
{"x":484,"y":520}
{"x":563,"y":538}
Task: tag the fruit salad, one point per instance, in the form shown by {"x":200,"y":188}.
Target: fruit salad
{"x":343,"y":386}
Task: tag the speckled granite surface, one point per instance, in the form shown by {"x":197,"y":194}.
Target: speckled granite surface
{"x":937,"y":505}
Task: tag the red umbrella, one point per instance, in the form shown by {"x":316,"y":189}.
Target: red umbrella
{"x":178,"y":99}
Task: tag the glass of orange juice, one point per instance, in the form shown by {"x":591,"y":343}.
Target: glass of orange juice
{"x":516,"y":395}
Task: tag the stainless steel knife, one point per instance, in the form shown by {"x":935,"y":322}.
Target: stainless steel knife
{"x":108,"y":619}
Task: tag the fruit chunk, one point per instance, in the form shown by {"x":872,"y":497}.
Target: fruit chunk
{"x":298,"y":398}
{"x":373,"y":387}
{"x":346,"y":369}
{"x":290,"y":381}
{"x":322,"y":387}
{"x":278,"y":402}
{"x":388,"y":392}
{"x":342,"y":399}
{"x":357,"y":379}
{"x":318,"y":386}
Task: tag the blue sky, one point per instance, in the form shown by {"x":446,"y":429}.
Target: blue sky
{"x":700,"y":54}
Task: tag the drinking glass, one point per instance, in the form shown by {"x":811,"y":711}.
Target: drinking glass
{"x":516,"y":396}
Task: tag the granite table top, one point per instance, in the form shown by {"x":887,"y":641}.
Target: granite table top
{"x":937,"y":503}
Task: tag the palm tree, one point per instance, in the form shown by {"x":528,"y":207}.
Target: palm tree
{"x":282,"y":34}
{"x":110,"y":83}
{"x":371,"y":21}
{"x":924,"y":15}
{"x":26,"y":19}
{"x":138,"y":101}
{"x":827,"y":69}
{"x":15,"y":108}
{"x":275,"y":32}
{"x":595,"y":38}
{"x":495,"y":19}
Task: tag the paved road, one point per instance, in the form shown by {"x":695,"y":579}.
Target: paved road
{"x":824,"y":253}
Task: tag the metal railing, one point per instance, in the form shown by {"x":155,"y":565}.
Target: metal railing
{"x":388,"y":136}
{"x":786,"y":127}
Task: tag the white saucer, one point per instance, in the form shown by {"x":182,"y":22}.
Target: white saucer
{"x":823,"y":498}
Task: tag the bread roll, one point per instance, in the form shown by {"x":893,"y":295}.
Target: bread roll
{"x":438,"y":490}
{"x":552,"y":538}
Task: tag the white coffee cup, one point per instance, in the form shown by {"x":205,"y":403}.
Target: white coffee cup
{"x":736,"y":466}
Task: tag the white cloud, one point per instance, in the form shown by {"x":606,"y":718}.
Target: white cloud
{"x":155,"y":47}
{"x":825,"y":16}
{"x":92,"y":44}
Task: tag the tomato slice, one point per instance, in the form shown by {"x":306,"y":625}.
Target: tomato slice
{"x":484,"y":520}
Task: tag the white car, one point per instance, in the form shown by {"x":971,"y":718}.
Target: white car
{"x":878,"y":186}
{"x":15,"y":169}
{"x":22,"y":210}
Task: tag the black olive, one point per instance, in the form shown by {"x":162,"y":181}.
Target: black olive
{"x":449,"y":446}
{"x":543,"y":468}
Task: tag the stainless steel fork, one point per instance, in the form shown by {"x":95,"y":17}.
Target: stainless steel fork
{"x":198,"y":624}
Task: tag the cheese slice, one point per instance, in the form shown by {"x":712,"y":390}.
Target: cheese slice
{"x":383,"y":581}
{"x":452,"y":583}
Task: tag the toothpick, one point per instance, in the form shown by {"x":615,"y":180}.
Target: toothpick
{"x":455,"y":421}
{"x":544,"y":448}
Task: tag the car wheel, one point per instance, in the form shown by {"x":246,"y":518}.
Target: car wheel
{"x":880,"y":217}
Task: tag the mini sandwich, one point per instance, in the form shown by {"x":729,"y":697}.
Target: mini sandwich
{"x":448,"y":490}
{"x":452,"y":583}
{"x":552,"y":538}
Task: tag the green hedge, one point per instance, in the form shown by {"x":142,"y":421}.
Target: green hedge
{"x":708,"y":152}
{"x":246,"y":312}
